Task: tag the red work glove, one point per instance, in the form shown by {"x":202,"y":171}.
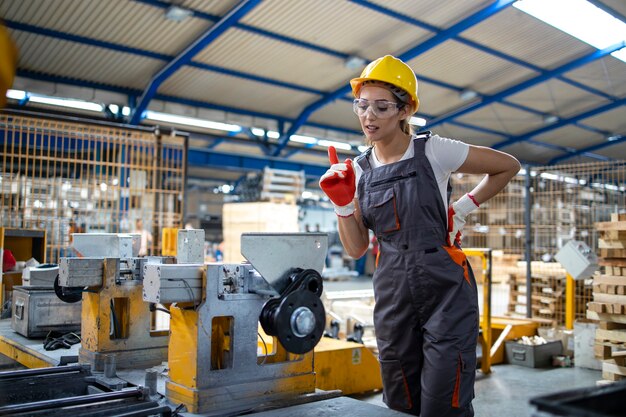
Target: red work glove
{"x":339,"y":184}
{"x":457,"y":212}
{"x":8,"y":260}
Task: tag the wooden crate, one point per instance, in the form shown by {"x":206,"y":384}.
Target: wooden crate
{"x":609,"y":299}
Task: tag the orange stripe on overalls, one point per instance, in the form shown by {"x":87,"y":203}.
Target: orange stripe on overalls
{"x":460,"y":259}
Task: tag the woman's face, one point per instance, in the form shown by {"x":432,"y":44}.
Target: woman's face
{"x":375,"y":127}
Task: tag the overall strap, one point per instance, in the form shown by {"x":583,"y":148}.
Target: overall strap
{"x":420,"y":145}
{"x":363,"y":160}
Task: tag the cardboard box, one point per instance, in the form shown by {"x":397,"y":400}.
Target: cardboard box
{"x":533,"y":356}
{"x":584,"y":340}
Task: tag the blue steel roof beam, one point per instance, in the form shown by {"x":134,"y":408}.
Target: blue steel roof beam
{"x":148,"y":54}
{"x":472,"y":44}
{"x":587,"y":151}
{"x":236,"y":162}
{"x":132,"y":93}
{"x":430,"y":43}
{"x":252,"y":29}
{"x":215,"y":31}
{"x":263,"y":143}
{"x":561,"y":123}
{"x":546,"y":75}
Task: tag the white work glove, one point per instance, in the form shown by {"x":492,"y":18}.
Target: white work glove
{"x":339,"y":184}
{"x":457,"y":212}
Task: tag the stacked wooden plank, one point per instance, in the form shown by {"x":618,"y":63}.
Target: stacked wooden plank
{"x":548,"y":280}
{"x":281,"y":185}
{"x":609,"y":299}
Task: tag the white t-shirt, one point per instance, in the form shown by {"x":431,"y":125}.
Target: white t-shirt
{"x":445,"y":156}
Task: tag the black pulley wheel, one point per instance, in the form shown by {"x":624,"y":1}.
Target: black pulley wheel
{"x":299,"y":321}
{"x":67,"y":294}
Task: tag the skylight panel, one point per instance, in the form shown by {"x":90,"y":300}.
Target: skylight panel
{"x":580,"y":19}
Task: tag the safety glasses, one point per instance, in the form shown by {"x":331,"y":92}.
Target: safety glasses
{"x":382,"y":109}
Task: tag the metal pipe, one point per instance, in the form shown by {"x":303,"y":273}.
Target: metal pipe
{"x":42,"y":371}
{"x":163,"y":411}
{"x":527,"y":220}
{"x":70,"y":401}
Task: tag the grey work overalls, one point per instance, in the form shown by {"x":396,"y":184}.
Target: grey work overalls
{"x":426,"y":313}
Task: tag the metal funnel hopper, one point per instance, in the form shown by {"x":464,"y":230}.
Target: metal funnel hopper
{"x":274,"y":255}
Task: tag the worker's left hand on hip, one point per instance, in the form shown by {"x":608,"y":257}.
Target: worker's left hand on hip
{"x":457,"y":212}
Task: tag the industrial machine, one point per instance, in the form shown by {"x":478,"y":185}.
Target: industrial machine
{"x":114,"y":321}
{"x":71,"y":391}
{"x":221,"y":311}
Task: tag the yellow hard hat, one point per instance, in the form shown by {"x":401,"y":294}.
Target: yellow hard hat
{"x":391,"y":70}
{"x":8,"y":63}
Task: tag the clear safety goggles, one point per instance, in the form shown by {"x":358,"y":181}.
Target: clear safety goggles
{"x":382,"y":109}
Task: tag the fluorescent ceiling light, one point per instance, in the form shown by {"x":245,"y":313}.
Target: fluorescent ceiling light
{"x":177,"y":13}
{"x":354,"y":62}
{"x":467,"y":95}
{"x":257,"y":131}
{"x":16,"y":94}
{"x":417,"y":121}
{"x":309,"y":140}
{"x":273,"y":134}
{"x":548,"y":120}
{"x":338,"y":145}
{"x":115,"y":109}
{"x":580,"y":19}
{"x":62,"y":102}
{"x":362,"y":148}
{"x":191,"y":121}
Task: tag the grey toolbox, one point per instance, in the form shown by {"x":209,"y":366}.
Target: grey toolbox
{"x":37,"y":310}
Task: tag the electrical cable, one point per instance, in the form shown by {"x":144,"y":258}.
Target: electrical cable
{"x":154,"y":307}
{"x":188,"y":288}
{"x":115,"y":323}
{"x":55,"y":340}
{"x":265,"y":347}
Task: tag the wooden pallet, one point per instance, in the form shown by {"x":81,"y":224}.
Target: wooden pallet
{"x":609,"y":299}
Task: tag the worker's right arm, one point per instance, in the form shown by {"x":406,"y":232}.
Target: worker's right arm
{"x":339,"y":185}
{"x":353,"y":234}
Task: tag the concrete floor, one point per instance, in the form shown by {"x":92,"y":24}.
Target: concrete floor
{"x":508,"y":389}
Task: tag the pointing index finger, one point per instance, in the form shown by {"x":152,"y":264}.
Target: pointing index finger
{"x":332,"y":155}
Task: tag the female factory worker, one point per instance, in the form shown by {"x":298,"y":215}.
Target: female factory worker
{"x":426,"y":314}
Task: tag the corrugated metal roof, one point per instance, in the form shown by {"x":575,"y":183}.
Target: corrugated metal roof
{"x":276,"y":60}
{"x":529,"y":152}
{"x":469,"y":68}
{"x":524,"y":37}
{"x":571,"y":136}
{"x":302,"y":45}
{"x":503,"y":118}
{"x":230,"y":91}
{"x":69,"y":59}
{"x":607,"y":75}
{"x":611,"y":121}
{"x":437,"y":13}
{"x":343,"y":26}
{"x":453,"y":131}
{"x":558,"y":98}
{"x":119,"y":21}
